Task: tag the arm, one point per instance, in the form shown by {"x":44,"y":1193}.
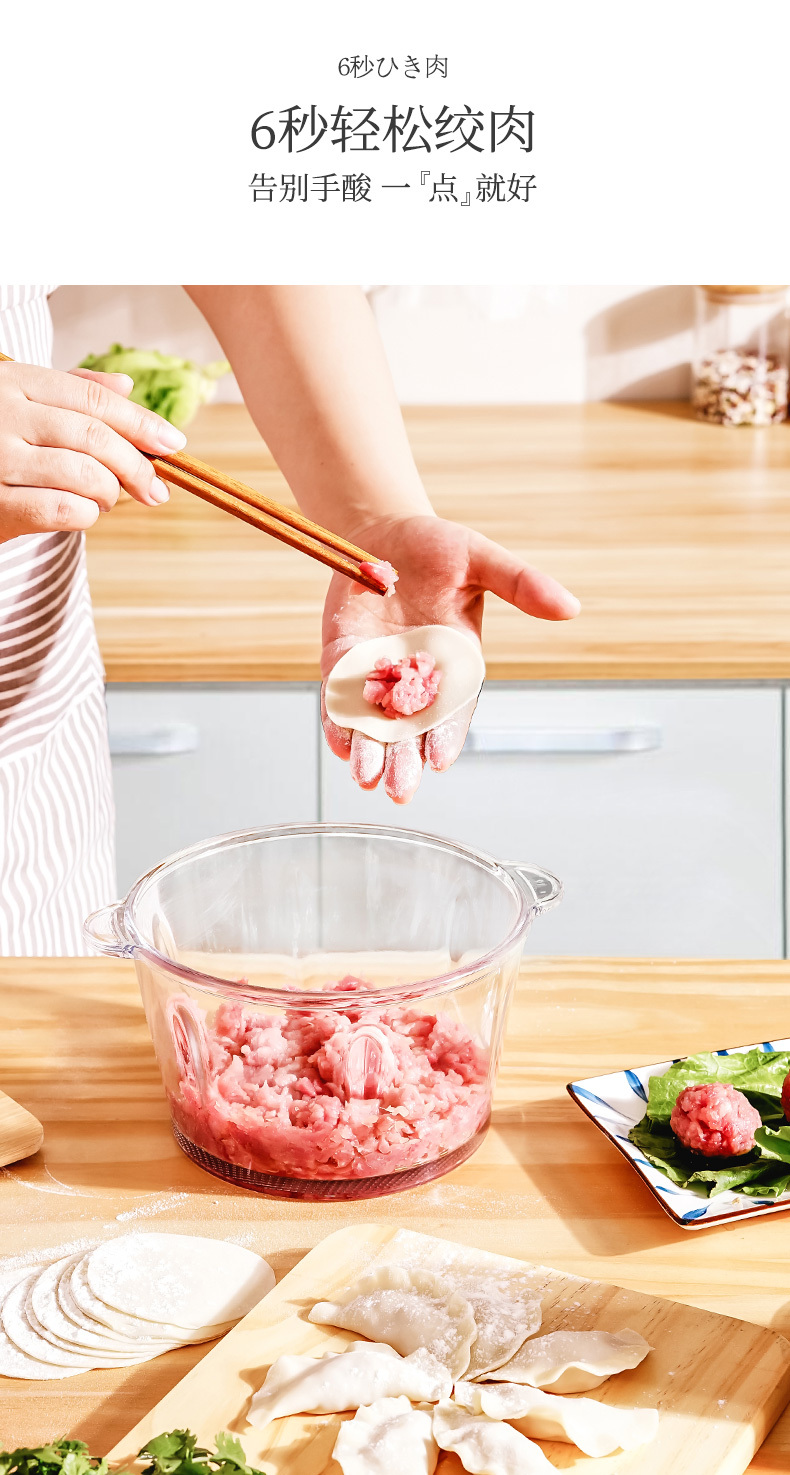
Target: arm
{"x":312,"y":370}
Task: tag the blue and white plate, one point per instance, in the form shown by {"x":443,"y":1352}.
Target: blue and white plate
{"x":615,"y":1103}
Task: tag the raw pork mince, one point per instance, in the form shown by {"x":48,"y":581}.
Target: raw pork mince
{"x":282,"y":1096}
{"x":401,"y":688}
{"x":383,"y":572}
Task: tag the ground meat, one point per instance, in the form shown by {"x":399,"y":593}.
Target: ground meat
{"x":715,"y":1120}
{"x":401,"y":688}
{"x":333,"y":1093}
{"x":383,"y":573}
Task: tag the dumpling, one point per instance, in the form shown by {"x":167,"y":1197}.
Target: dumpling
{"x":595,"y":1428}
{"x":485,"y":1446}
{"x":411,"y":1310}
{"x":385,"y":1437}
{"x":573,"y":1362}
{"x":360,"y":1374}
{"x":505,"y":1315}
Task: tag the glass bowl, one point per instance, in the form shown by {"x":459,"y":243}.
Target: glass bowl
{"x":327,"y":1002}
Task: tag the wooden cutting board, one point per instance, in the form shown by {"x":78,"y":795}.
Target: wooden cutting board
{"x":21,"y":1134}
{"x":719,"y":1383}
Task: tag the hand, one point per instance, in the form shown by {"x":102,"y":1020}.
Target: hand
{"x":445,"y":570}
{"x":68,"y":443}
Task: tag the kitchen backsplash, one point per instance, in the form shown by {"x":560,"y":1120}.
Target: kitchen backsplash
{"x":446,"y":345}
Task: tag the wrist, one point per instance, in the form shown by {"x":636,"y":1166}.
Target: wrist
{"x":373,"y":528}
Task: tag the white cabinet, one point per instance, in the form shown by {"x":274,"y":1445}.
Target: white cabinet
{"x":660,"y":808}
{"x":194,"y":761}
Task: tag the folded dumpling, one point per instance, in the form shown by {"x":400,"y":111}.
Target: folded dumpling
{"x":573,"y":1362}
{"x":505,"y":1315}
{"x":361,"y":1374}
{"x":484,"y":1446}
{"x":410,"y":1309}
{"x":595,"y":1428}
{"x":387,"y":1437}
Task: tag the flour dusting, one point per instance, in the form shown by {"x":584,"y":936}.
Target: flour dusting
{"x":158,"y":1206}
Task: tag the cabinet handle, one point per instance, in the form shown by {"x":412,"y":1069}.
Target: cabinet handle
{"x":154,"y":742}
{"x":635,"y":739}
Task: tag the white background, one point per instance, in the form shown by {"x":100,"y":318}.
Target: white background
{"x":661,"y":140}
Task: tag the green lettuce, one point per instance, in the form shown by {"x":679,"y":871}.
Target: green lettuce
{"x":758,"y":1074}
{"x":762,"y":1173}
{"x":173,"y":387}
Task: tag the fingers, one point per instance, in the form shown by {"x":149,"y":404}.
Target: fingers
{"x":403,"y":770}
{"x":444,"y":743}
{"x":338,"y":739}
{"x":367,"y":760}
{"x":82,"y":475}
{"x":87,"y":395}
{"x":67,"y":431}
{"x":531,"y":591}
{"x":45,"y":510}
{"x":118,"y":383}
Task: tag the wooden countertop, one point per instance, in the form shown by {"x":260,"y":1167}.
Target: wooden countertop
{"x":545,"y":1185}
{"x":674,"y":534}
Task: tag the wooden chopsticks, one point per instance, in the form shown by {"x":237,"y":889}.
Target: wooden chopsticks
{"x":266,"y":514}
{"x":269,"y":516}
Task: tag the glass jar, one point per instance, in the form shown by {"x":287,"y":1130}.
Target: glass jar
{"x":327,"y":1002}
{"x":741,"y":355}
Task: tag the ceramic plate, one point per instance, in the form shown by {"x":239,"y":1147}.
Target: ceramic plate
{"x":615,"y":1103}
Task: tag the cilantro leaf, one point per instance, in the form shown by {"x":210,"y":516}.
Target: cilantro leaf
{"x":61,"y":1457}
{"x":176,"y":1453}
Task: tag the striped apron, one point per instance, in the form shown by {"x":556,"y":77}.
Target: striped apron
{"x":56,"y":810}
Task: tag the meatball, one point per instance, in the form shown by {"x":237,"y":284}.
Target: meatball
{"x":786,"y":1097}
{"x":715,"y":1120}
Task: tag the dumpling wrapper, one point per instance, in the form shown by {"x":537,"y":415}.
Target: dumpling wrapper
{"x":595,"y":1428}
{"x":23,"y":1333}
{"x":46,"y":1315}
{"x":185,"y":1279}
{"x":457,"y":656}
{"x":79,"y":1302}
{"x":14,"y":1363}
{"x":574,"y":1362}
{"x":485,"y":1446}
{"x":385,"y":1437}
{"x":412,"y":1310}
{"x":361,"y":1374}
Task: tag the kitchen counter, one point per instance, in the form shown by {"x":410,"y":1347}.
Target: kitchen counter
{"x":545,"y":1185}
{"x":674,"y":534}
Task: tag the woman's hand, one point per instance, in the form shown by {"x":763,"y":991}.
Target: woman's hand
{"x":445,"y":570}
{"x":68,"y":443}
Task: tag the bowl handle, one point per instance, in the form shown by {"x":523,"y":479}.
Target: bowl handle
{"x":542,"y":888}
{"x":102,"y":929}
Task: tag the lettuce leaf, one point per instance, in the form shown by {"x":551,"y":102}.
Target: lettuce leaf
{"x":758,"y":1074}
{"x":661,"y":1148}
{"x":774,"y":1144}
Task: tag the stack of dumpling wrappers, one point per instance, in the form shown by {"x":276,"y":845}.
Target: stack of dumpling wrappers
{"x":123,"y":1302}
